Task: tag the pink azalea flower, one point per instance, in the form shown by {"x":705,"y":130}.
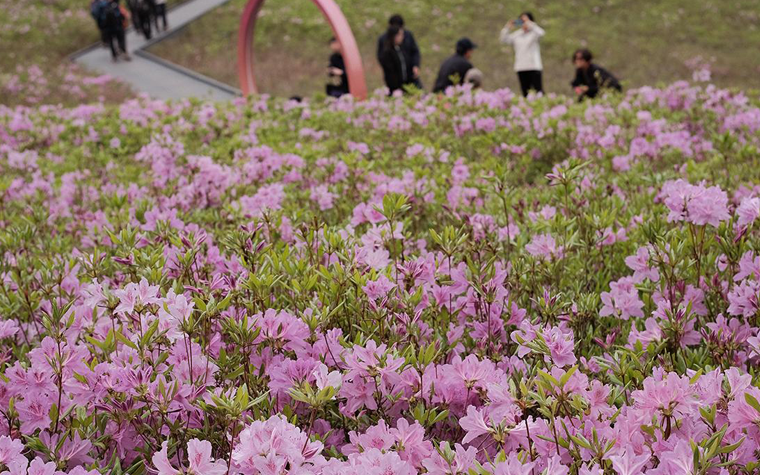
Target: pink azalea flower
{"x":622,"y":300}
{"x":748,"y":211}
{"x":629,"y":463}
{"x":34,"y":412}
{"x":512,"y":466}
{"x":11,"y":454}
{"x":378,"y":288}
{"x":474,"y":423}
{"x":740,"y":413}
{"x":673,"y":395}
{"x":639,"y":263}
{"x":200,"y":460}
{"x":696,"y":204}
{"x":8,"y":328}
{"x":161,"y":461}
{"x":544,"y":245}
{"x":561,"y":346}
{"x":463,"y":461}
{"x":39,"y":467}
{"x":749,"y":266}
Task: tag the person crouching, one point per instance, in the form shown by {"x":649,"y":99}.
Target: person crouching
{"x":455,"y":68}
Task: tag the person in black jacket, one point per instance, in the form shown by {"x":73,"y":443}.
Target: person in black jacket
{"x":393,"y":61}
{"x":590,"y":78}
{"x":408,"y":46}
{"x":456,"y":66}
{"x":98,"y":10}
{"x":113,"y":27}
{"x":141,"y":16}
{"x":336,"y":71}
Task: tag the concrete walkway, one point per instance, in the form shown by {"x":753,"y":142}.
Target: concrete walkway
{"x":152,"y":75}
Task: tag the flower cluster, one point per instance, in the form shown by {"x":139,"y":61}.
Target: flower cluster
{"x":469,"y":284}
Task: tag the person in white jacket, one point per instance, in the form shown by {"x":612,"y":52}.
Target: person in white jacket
{"x":525,"y":41}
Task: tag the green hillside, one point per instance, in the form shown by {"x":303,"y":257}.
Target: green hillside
{"x":643,"y":42}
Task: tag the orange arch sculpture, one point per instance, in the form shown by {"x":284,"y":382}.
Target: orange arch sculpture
{"x":354,"y":69}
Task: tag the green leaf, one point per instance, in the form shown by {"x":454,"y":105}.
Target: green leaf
{"x":566,"y":377}
{"x":752,"y":401}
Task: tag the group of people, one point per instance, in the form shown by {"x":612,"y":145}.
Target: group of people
{"x":399,"y":56}
{"x":113,"y":18}
{"x":146,"y":13}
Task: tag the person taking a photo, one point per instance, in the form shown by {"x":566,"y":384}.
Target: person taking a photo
{"x":524,"y":35}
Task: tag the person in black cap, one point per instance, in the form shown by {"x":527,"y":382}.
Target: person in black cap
{"x":408,"y":47}
{"x":456,"y":66}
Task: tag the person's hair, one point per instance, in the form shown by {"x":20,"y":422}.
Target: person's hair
{"x":529,"y":15}
{"x":584,"y":53}
{"x":475,"y":77}
{"x":390,"y":37}
{"x":396,"y":20}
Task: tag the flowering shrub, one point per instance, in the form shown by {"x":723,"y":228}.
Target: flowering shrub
{"x":64,"y":83}
{"x":472,"y":284}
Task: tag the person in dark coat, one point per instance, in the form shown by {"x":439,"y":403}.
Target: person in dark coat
{"x":590,"y":78}
{"x":113,"y":26}
{"x":141,"y":17}
{"x":408,"y":46}
{"x":456,"y":66}
{"x":160,"y":13}
{"x":336,"y":71}
{"x":393,"y":61}
{"x":98,"y":10}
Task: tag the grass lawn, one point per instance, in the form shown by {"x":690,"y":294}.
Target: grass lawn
{"x":643,"y":42}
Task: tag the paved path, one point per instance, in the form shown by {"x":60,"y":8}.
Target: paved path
{"x":158,"y":78}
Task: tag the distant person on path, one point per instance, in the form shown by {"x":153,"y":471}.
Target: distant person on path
{"x":456,"y":66}
{"x":134,"y":13}
{"x":393,"y":61}
{"x":114,"y":20}
{"x":160,"y":13}
{"x":412,"y":57}
{"x":98,"y":10}
{"x":336,"y":71}
{"x":525,"y":41}
{"x":141,"y":13}
{"x":590,"y":78}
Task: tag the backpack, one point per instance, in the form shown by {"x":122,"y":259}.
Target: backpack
{"x":110,"y":17}
{"x":114,"y":16}
{"x":95,"y":8}
{"x":98,"y":11}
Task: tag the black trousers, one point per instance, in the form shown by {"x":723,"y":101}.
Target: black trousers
{"x":530,"y":80}
{"x":160,"y":13}
{"x":144,"y":21}
{"x":118,"y":42}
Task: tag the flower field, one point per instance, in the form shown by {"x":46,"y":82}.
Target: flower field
{"x":471,"y":284}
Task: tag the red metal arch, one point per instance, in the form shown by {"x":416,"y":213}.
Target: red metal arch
{"x":354,"y":69}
